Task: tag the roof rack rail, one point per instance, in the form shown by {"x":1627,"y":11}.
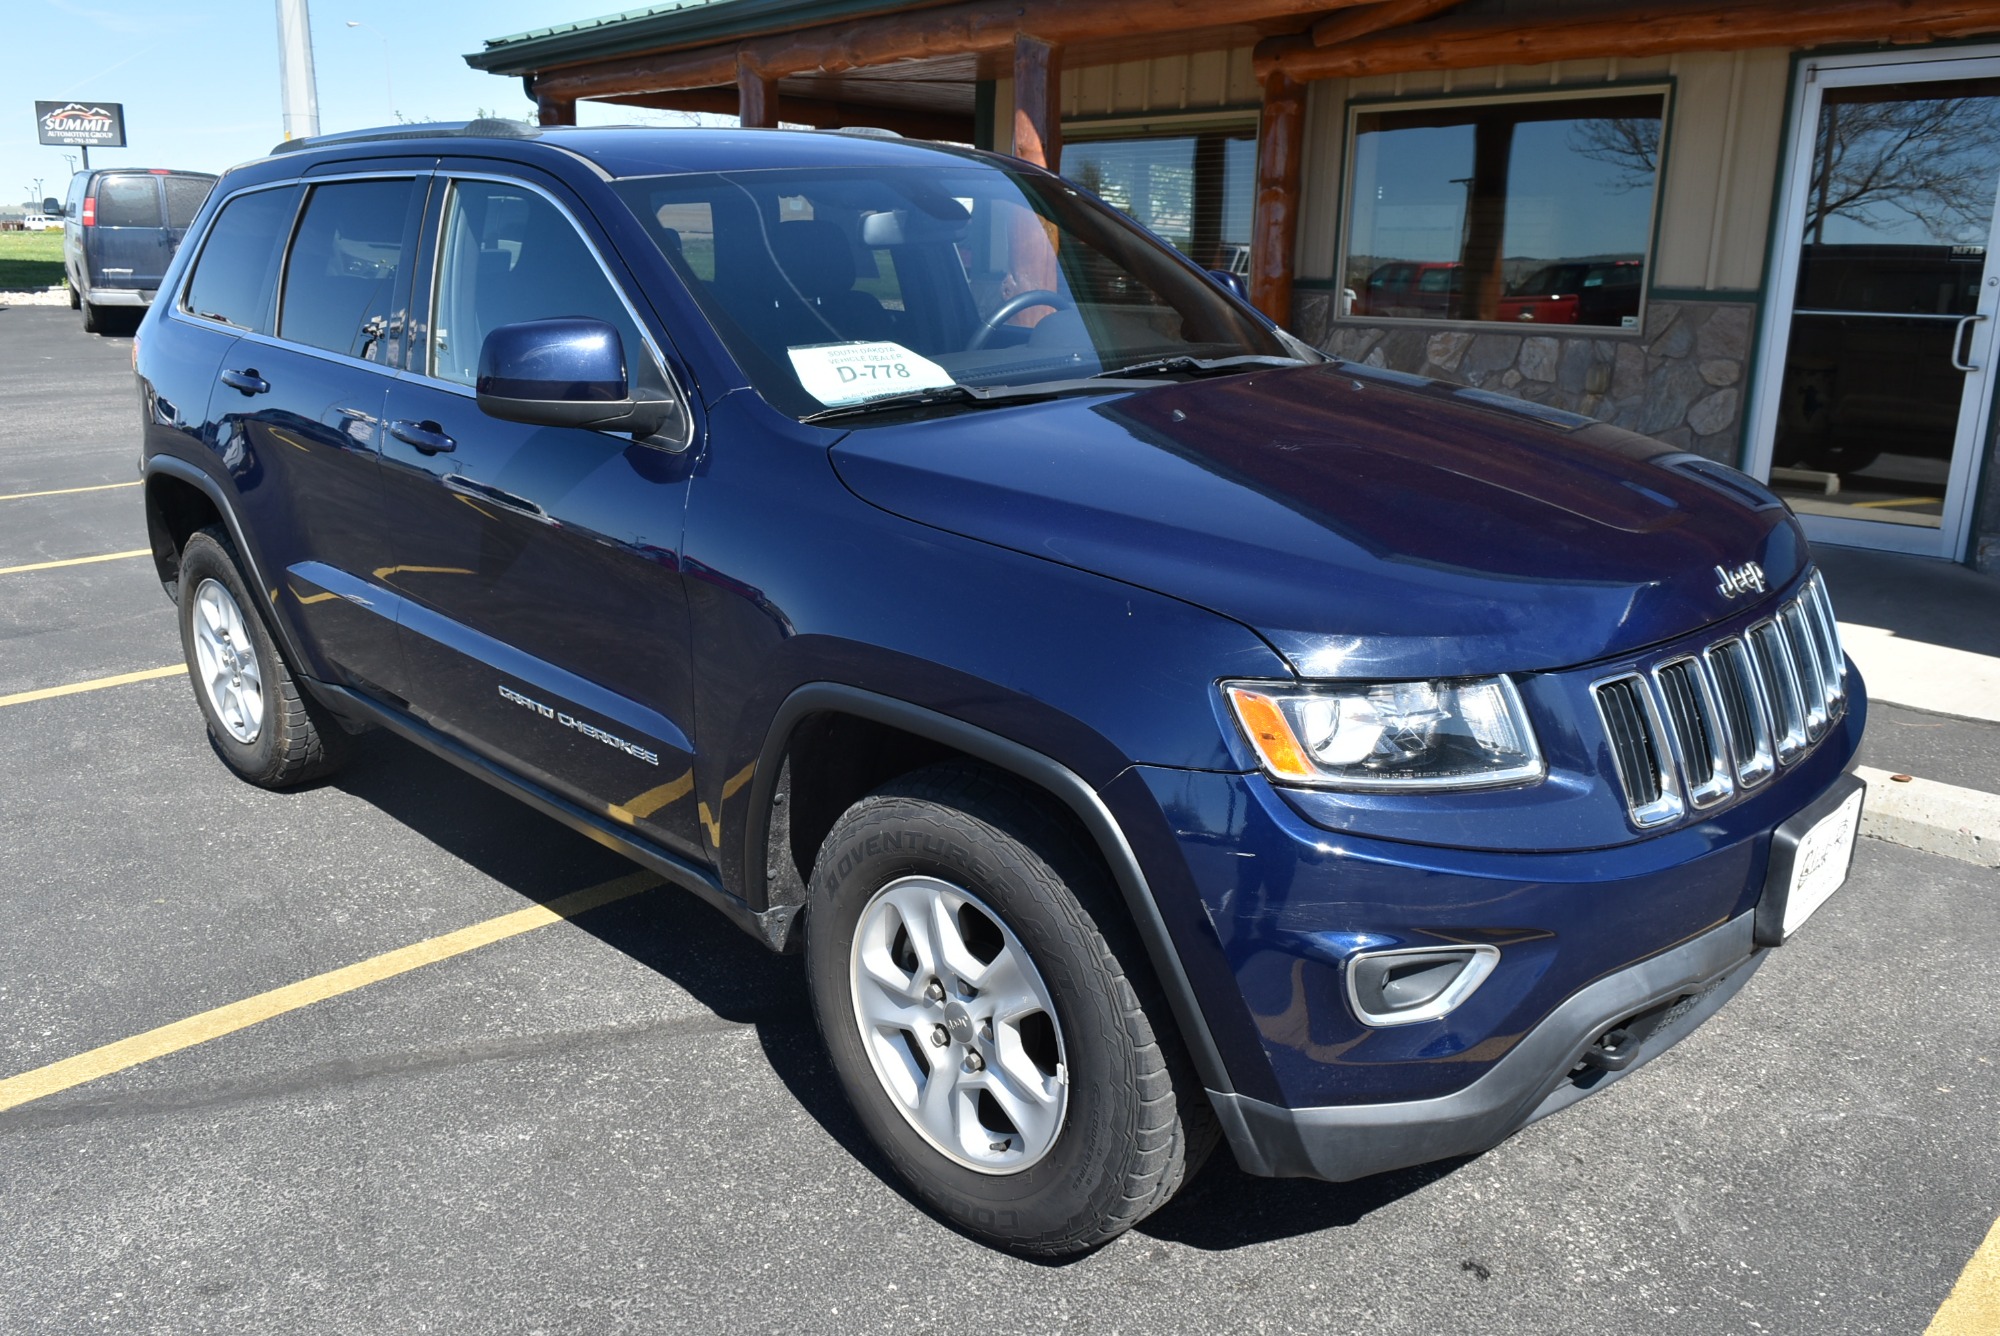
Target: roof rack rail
{"x":487,"y":127}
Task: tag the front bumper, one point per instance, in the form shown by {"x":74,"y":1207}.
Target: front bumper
{"x":1662,"y":929}
{"x":1538,"y":1076}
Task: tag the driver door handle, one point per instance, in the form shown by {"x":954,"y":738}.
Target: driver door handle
{"x":426,"y":437}
{"x":1958,"y":341}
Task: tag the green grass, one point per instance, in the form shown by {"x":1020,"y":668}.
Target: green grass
{"x":30,"y":260}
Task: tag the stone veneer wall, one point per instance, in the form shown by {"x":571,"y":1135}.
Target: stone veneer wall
{"x":1681,"y":380}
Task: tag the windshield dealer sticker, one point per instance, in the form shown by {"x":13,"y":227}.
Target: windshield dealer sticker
{"x":850,"y":373}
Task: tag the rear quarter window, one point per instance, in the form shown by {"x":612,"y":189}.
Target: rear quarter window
{"x":128,"y":201}
{"x":237,"y":268}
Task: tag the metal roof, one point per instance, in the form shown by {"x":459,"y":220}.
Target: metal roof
{"x":668,"y":26}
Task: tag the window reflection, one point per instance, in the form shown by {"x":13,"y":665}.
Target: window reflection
{"x":1193,"y":191}
{"x":1524,"y":212}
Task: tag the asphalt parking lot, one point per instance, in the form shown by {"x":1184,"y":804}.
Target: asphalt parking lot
{"x":621,"y":1121}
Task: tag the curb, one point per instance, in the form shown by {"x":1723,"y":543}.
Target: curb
{"x":1935,"y":818}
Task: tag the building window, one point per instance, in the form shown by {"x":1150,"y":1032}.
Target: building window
{"x":1522,"y":212}
{"x":1193,"y":190}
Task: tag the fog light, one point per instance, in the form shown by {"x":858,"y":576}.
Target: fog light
{"x":1417,"y":984}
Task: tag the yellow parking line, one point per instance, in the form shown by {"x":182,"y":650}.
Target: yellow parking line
{"x":224,"y":1020}
{"x":1898,"y":501}
{"x":67,"y":491}
{"x":94,"y":684}
{"x":76,"y":561}
{"x":1973,"y":1306}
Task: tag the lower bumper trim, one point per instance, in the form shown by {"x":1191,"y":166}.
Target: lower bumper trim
{"x":1536,"y":1078}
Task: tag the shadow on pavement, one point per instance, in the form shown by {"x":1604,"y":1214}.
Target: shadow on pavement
{"x":740,"y":981}
{"x":1917,"y":598}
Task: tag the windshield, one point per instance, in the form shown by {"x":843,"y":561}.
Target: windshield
{"x":833,"y":288}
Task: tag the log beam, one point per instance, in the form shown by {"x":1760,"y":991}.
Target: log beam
{"x":554,"y":110}
{"x":756,"y":95}
{"x":1274,"y":222}
{"x":987,"y":26}
{"x":1353,"y":24}
{"x":1037,"y":102}
{"x":821,"y":113}
{"x":1658,"y":30}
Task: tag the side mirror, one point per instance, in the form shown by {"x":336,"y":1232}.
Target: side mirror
{"x":52,"y":206}
{"x":1232,"y":281}
{"x":568,"y":372}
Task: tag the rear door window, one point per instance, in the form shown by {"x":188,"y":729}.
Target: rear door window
{"x":185,"y":195}
{"x":342,"y":280}
{"x":238,"y":265}
{"x":128,"y":201}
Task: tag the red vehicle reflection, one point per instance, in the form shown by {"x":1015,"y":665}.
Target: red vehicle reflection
{"x":1577,"y":294}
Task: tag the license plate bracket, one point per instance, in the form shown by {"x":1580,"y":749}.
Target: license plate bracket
{"x":1810,"y":855}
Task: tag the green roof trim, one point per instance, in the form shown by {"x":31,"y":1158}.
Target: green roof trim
{"x":688,"y":23}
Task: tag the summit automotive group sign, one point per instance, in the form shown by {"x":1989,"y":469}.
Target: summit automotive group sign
{"x":85,"y":124}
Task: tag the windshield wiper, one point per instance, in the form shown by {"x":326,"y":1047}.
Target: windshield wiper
{"x":1199,"y":366}
{"x":967,"y":394}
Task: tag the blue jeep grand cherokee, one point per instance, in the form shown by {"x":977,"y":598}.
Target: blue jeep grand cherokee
{"x":1151,"y":732}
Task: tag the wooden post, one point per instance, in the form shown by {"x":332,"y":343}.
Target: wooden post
{"x":1275,"y":223}
{"x":555,"y":110}
{"x":1037,"y":102}
{"x":756,"y":95}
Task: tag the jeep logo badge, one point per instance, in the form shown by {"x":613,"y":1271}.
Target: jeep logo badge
{"x":1745,"y":579}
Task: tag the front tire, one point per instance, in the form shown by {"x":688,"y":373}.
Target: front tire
{"x":262,"y":723}
{"x":969,"y":968}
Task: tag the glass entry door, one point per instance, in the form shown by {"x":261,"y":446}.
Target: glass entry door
{"x":1879,"y":378}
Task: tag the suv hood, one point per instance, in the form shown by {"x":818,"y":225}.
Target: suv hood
{"x":1369,"y":525}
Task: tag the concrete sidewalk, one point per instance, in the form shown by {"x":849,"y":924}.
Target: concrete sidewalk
{"x":1926,"y":637}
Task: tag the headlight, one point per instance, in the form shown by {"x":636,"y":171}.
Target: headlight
{"x":1390,"y":735}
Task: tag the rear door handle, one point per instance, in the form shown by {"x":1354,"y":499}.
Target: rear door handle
{"x":426,"y":437}
{"x":247,"y":381}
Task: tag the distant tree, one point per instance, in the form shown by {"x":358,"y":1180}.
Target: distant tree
{"x":1930,"y":159}
{"x":1630,"y":145}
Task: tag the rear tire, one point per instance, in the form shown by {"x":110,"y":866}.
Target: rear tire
{"x":262,"y":723}
{"x":1070,"y":1112}
{"x":93,"y":317}
{"x":75,"y":297}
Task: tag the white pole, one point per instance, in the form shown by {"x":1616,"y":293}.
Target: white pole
{"x":295,"y":70}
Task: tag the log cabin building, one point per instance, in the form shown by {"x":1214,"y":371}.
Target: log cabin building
{"x":1761,"y":230}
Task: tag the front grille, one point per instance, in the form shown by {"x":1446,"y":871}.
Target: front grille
{"x":1701,"y":727}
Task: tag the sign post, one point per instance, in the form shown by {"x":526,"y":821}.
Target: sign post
{"x":84,"y":125}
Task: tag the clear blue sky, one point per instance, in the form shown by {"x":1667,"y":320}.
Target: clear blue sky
{"x":199,"y":78}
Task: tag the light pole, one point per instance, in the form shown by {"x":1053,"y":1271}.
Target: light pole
{"x":388,"y":82}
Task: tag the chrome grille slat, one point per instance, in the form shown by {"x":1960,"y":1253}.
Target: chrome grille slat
{"x":1744,"y":709}
{"x":1695,"y":724}
{"x":1630,"y":719}
{"x":1698,"y":728}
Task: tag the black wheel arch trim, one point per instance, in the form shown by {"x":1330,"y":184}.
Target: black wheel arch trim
{"x":1048,"y":774}
{"x":171,"y":466}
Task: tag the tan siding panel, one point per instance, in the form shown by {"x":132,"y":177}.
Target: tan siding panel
{"x":1745,"y":224}
{"x":1170,"y":84}
{"x":1697,"y":152}
{"x":1322,"y":179}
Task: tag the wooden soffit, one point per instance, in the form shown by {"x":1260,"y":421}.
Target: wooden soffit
{"x":1643,"y":29}
{"x":1089,"y":31}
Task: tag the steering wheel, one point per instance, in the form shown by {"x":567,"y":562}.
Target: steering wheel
{"x":1012,"y":307}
